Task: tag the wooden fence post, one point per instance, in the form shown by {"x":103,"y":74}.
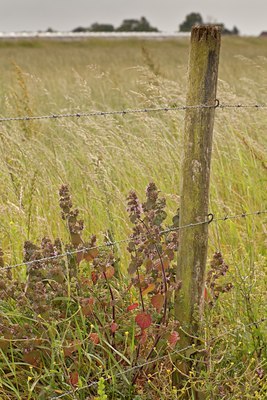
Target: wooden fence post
{"x":192,"y":253}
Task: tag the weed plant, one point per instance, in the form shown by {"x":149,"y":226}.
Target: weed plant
{"x":76,"y":327}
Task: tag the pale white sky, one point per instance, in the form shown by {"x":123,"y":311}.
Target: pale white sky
{"x":250,"y":16}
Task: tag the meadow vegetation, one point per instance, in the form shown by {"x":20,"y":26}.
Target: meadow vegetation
{"x":75,"y":320}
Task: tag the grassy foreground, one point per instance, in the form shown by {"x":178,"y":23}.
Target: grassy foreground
{"x":102,"y":159}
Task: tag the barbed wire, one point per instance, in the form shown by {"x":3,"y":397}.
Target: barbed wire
{"x":240,"y":105}
{"x":128,"y":370}
{"x":149,"y":362}
{"x":129,"y":111}
{"x":243,"y":215}
{"x":210,"y":218}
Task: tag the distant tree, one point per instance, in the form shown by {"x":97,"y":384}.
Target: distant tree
{"x":235,"y":31}
{"x":196,"y":19}
{"x":135,"y":25}
{"x":80,"y":29}
{"x":50,"y":30}
{"x":101,"y":27}
{"x":226,"y":31}
{"x":190,"y":20}
{"x":128,"y":25}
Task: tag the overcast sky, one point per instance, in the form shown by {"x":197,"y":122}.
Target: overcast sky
{"x":250,"y":16}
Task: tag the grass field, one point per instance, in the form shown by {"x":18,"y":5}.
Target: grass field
{"x":103,"y":158}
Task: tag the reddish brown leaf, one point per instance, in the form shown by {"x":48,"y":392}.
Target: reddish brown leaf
{"x":132,"y":267}
{"x":32,"y":357}
{"x":74,"y":378}
{"x":132,"y":306}
{"x":166,"y":262}
{"x":70,"y":348}
{"x":170,"y":254}
{"x":141,"y":278}
{"x":79,"y":257}
{"x":143,"y":320}
{"x":173,"y":338}
{"x":142,"y":337}
{"x":4,"y":344}
{"x":148,"y":289}
{"x":162,"y":261}
{"x":148,"y":265}
{"x":157,"y":301}
{"x":76,"y":239}
{"x":87,"y":306}
{"x":95,"y":338}
{"x":110,"y":271}
{"x":85,"y":282}
{"x":90,"y":255}
{"x":94,"y":277}
{"x":113,"y":327}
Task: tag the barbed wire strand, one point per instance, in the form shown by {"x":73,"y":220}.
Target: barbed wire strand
{"x":123,"y":372}
{"x":140,"y":366}
{"x":129,"y":111}
{"x":243,"y":215}
{"x":125,"y":240}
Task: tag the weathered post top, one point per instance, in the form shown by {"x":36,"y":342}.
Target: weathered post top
{"x":203,"y":64}
{"x":203,"y":32}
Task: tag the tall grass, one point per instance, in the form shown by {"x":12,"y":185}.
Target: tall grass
{"x":102,"y":158}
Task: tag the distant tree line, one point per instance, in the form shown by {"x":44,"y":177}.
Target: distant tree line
{"x":196,"y":19}
{"x":142,"y":25}
{"x":127,"y":25}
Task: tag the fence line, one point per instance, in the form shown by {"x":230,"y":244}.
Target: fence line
{"x":210,"y":218}
{"x":149,"y":362}
{"x":130,"y":111}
